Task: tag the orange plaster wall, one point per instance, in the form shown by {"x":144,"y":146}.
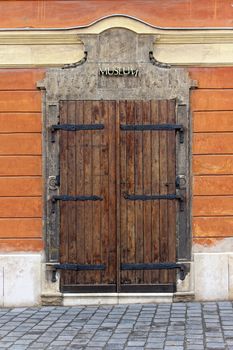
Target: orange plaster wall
{"x":212,"y":116}
{"x":59,"y":13}
{"x":20,"y":160}
{"x":20,"y":117}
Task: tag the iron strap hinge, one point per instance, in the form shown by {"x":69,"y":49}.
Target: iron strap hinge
{"x":156,"y":127}
{"x":66,"y":198}
{"x":156,"y":266}
{"x":144,"y":197}
{"x":75,"y":267}
{"x":79,"y":267}
{"x":74,"y":127}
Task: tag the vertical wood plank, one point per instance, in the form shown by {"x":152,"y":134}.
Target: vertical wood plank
{"x":88,"y":188}
{"x":105,"y":192}
{"x":96,"y":143}
{"x":130,"y":153}
{"x":71,"y":184}
{"x":163,"y":189}
{"x":118,"y":199}
{"x":155,"y":205}
{"x":147,"y":188}
{"x":80,"y":206}
{"x":112,"y":193}
{"x":123,"y":182}
{"x":139,"y":253}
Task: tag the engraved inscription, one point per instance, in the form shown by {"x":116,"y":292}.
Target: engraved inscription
{"x":119,"y":72}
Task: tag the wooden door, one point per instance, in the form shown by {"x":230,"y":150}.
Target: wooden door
{"x":116,"y":164}
{"x":147,"y":172}
{"x":88,"y":170}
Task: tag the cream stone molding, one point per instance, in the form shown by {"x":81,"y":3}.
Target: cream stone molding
{"x":39,"y":38}
{"x":28,"y":47}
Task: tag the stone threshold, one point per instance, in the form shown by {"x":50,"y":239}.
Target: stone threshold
{"x":74,"y":299}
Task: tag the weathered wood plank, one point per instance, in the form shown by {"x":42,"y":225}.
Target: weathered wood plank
{"x":105,"y":208}
{"x":163,"y":160}
{"x":130,"y":171}
{"x":112,"y":193}
{"x":155,"y":206}
{"x":147,"y":135}
{"x":139,"y":250}
{"x":71,"y":190}
{"x":88,"y":161}
{"x":96,"y":144}
{"x":79,"y":188}
{"x":124,"y":189}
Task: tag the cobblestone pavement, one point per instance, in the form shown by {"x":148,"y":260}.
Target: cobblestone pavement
{"x":191,"y":326}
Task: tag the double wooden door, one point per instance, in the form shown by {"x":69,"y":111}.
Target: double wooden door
{"x":118,"y":203}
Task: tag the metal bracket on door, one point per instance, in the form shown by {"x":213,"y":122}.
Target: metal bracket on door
{"x":74,"y":127}
{"x":143,"y":197}
{"x":157,"y":266}
{"x":66,"y":198}
{"x":155,"y":127}
{"x":76,"y":267}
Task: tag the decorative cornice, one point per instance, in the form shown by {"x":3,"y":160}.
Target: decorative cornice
{"x":177,"y":46}
{"x":196,"y":38}
{"x":38,"y":38}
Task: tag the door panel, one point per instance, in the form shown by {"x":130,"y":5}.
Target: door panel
{"x":113,"y":163}
{"x":87,"y":167}
{"x":147,"y":167}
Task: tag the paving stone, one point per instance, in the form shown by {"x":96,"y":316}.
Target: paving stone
{"x":134,"y":348}
{"x":154,"y":346}
{"x":136,"y":343}
{"x":135,"y":327}
{"x":5,"y":345}
{"x":37,"y":345}
{"x":23,"y":342}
